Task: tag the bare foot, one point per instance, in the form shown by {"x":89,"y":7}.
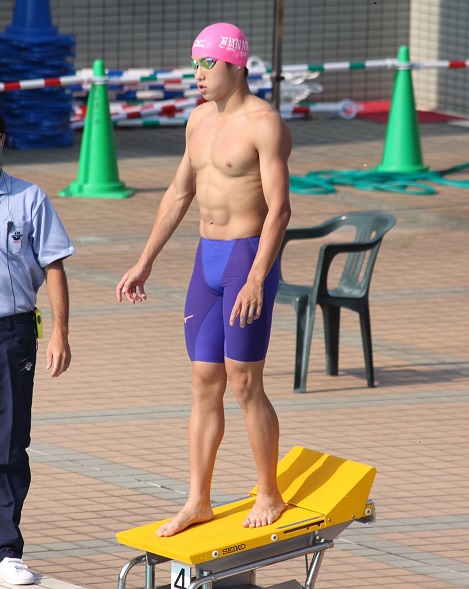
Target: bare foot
{"x":266,"y":510}
{"x":185,"y":518}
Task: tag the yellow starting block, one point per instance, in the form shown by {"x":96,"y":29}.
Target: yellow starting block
{"x":324,"y":495}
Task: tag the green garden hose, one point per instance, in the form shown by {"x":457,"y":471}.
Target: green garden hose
{"x":325,"y":181}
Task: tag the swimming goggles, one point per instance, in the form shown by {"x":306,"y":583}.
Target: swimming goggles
{"x":206,"y":62}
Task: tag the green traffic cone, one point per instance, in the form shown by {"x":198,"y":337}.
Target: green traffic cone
{"x":402,"y":152}
{"x":98,"y":176}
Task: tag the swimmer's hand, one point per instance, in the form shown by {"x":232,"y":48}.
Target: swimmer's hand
{"x":132,"y":285}
{"x":248,"y":304}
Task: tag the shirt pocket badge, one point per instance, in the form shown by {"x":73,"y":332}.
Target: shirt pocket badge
{"x":16,"y":237}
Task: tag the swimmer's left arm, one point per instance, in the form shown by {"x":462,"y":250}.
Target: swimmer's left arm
{"x":273,"y":143}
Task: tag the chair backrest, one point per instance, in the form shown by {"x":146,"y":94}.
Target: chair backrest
{"x":369,"y":227}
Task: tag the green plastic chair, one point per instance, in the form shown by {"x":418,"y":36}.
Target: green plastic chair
{"x":358,"y":257}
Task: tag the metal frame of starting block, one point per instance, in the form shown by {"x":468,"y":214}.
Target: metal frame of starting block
{"x":324,"y":494}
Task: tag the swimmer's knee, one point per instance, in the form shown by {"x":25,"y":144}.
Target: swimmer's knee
{"x":246,"y":380}
{"x":208,"y":377}
{"x":240,"y":382}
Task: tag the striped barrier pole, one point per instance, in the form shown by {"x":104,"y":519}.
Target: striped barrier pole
{"x":125,"y":112}
{"x":171,"y":108}
{"x":177,"y":77}
{"x":347,"y":109}
{"x":389,"y":63}
{"x":176,"y":121}
{"x":41,"y":83}
{"x":148,"y":117}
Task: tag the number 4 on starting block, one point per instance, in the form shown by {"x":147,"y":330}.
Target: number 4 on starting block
{"x":180,"y":575}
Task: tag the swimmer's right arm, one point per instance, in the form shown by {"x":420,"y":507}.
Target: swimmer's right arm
{"x":171,"y":211}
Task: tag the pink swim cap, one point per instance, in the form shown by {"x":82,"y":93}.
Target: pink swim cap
{"x":222,"y":41}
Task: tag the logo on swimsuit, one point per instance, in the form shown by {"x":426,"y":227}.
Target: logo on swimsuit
{"x":187,"y":318}
{"x":232,"y":549}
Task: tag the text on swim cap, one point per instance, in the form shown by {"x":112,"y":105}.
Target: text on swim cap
{"x":234,"y":44}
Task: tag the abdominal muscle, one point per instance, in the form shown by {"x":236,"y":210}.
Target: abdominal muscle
{"x":230,"y":207}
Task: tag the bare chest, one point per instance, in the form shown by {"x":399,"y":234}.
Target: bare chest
{"x":228,"y":148}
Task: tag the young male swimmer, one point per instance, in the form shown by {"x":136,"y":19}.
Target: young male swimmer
{"x":235,"y":166}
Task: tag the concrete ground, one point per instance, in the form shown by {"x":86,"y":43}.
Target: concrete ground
{"x":109,"y":449}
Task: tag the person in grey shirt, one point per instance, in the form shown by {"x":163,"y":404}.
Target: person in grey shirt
{"x":33,"y":244}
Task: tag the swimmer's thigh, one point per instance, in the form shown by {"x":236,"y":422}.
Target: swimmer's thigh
{"x":249,"y":343}
{"x":203,"y":322}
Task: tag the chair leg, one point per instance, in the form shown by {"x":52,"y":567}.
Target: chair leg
{"x":304,"y":332}
{"x":365,"y":325}
{"x":331,"y":337}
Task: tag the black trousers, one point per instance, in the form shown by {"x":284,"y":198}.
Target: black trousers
{"x":17,"y":366}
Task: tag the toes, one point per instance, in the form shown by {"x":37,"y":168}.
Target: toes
{"x":260,"y":516}
{"x":255,"y":522}
{"x":164,"y":531}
